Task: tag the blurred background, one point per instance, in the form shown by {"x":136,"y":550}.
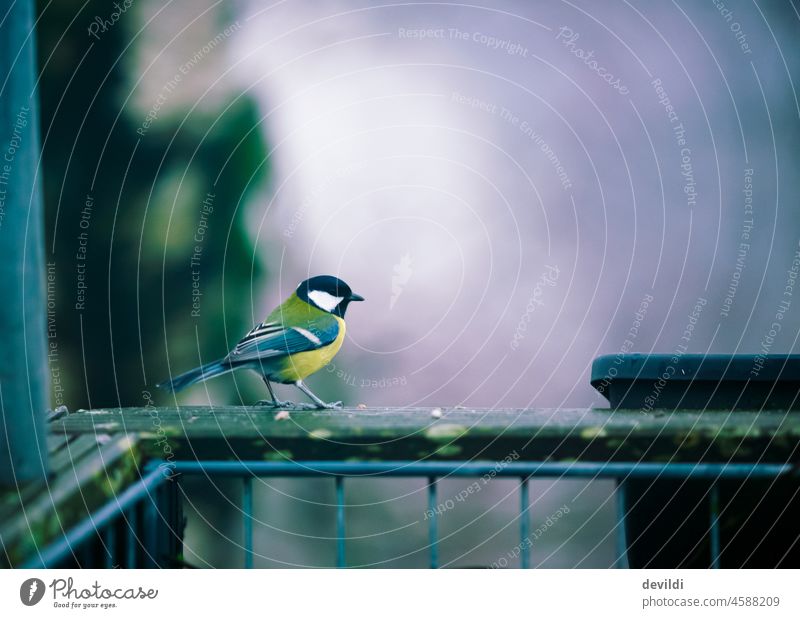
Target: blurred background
{"x":516,"y":188}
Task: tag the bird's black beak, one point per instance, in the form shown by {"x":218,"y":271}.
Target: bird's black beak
{"x":356,"y":297}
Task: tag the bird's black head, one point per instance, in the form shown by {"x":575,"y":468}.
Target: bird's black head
{"x":327,"y":293}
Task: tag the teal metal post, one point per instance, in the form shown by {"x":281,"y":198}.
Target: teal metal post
{"x":23,"y":356}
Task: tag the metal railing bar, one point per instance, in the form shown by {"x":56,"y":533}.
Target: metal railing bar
{"x":622,"y":534}
{"x":524,"y":523}
{"x":247,"y":515}
{"x":341,"y":558}
{"x":89,"y":526}
{"x":110,"y":545}
{"x":433,"y":524}
{"x":151,"y":508}
{"x":713,"y":508}
{"x":607,"y":470}
{"x":148,"y":492}
{"x":132,"y":517}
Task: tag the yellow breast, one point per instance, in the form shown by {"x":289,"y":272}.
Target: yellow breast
{"x":301,"y":365}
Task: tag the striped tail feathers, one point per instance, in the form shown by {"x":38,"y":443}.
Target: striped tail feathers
{"x":198,"y":374}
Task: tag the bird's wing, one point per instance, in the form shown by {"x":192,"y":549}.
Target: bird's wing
{"x":272,"y":339}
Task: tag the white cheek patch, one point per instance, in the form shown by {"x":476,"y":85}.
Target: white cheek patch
{"x":323,"y":300}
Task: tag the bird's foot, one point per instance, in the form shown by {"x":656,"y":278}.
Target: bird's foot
{"x":285,"y":405}
{"x":333,"y":405}
{"x":304,"y":406}
{"x":269,"y":403}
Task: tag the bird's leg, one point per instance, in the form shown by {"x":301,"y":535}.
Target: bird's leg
{"x":319,"y":403}
{"x":276,"y":403}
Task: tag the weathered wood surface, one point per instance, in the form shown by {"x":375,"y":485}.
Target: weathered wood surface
{"x":88,"y":470}
{"x":252,"y":433}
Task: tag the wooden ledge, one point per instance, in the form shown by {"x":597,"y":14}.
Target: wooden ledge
{"x":254,"y":433}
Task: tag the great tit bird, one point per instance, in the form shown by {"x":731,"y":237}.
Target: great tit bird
{"x":298,"y":338}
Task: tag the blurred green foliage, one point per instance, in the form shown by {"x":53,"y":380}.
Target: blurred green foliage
{"x":146,"y":194}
